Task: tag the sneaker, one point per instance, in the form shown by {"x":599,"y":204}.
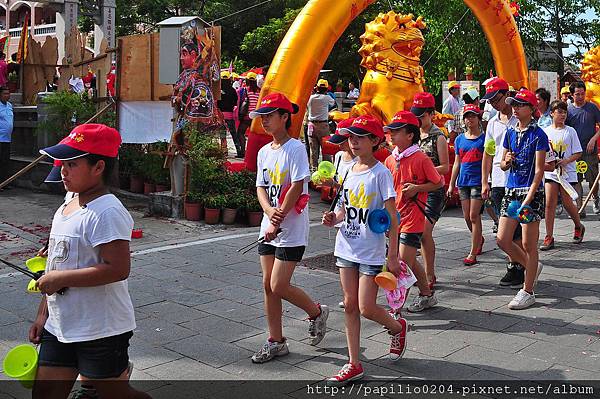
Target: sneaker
{"x":537,"y":273}
{"x":596,"y":205}
{"x":509,"y":277}
{"x":318,"y":326}
{"x":396,"y":314}
{"x":350,"y":372}
{"x":422,"y":302}
{"x":519,"y":277}
{"x":495,"y":228}
{"x":547,"y":244}
{"x":398,"y":344}
{"x":582,"y":215}
{"x":342,"y":305}
{"x":578,"y":234}
{"x":522,"y":300}
{"x":270,"y":350}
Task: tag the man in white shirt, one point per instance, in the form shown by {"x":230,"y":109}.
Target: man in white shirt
{"x":453,"y":106}
{"x":353,"y":92}
{"x":318,"y":117}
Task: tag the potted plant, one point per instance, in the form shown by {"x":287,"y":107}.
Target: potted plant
{"x":254,"y":210}
{"x":469,"y":72}
{"x":162,"y":180}
{"x":233,"y":201}
{"x":213,"y":203}
{"x":136,"y":179}
{"x":193,"y":206}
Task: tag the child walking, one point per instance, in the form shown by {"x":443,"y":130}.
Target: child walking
{"x":283,"y":164}
{"x":86,"y":319}
{"x":360,"y":252}
{"x":467,"y":168}
{"x":414,"y":175}
{"x":567,"y":149}
{"x":525,"y":148}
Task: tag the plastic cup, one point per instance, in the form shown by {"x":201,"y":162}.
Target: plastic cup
{"x":37,"y":264}
{"x":327,"y":169}
{"x":21,"y":363}
{"x":387,"y":281}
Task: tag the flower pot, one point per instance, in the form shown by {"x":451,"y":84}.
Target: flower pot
{"x":229,"y":215}
{"x":136,"y":184}
{"x":149,"y":188}
{"x":193,"y":211}
{"x":162,"y":187}
{"x":211,"y":216}
{"x":254,"y":218}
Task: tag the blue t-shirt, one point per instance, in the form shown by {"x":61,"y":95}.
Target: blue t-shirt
{"x":525,"y":145}
{"x":583,"y":120}
{"x":6,"y":122}
{"x":470,"y":152}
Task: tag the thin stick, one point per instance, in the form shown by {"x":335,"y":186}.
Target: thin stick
{"x":587,"y":199}
{"x":41,"y":157}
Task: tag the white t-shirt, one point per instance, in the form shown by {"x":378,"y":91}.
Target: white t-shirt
{"x":318,"y":107}
{"x":276,"y":170}
{"x":563,"y":143}
{"x":364,"y":192}
{"x":496,"y":130}
{"x":341,"y":166}
{"x":88,"y":313}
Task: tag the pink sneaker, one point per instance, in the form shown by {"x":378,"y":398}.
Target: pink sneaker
{"x":398,"y":344}
{"x":350,"y":372}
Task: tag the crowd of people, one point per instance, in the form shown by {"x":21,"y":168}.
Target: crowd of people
{"x":517,"y":167}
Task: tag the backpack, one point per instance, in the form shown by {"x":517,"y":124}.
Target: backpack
{"x":244,"y":104}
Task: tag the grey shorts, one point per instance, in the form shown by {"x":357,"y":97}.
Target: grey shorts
{"x":367,"y":270}
{"x":469,"y":193}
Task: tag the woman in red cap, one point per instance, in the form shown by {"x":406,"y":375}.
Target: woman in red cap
{"x":282,"y":167}
{"x":466,"y":173}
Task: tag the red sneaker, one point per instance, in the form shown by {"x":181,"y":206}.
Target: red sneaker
{"x":398,"y":344}
{"x":350,"y":372}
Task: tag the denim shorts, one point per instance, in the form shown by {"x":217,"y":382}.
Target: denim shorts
{"x":435,"y":203}
{"x":410,"y":239}
{"x":286,"y":254}
{"x":469,"y":193}
{"x":97,"y":359}
{"x":367,"y":270}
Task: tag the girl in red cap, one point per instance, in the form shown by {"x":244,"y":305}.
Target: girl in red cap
{"x":282,"y":166}
{"x":467,"y":169}
{"x":360,"y":251}
{"x":86,"y":319}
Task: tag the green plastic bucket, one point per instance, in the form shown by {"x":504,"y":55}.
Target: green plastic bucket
{"x":21,"y":364}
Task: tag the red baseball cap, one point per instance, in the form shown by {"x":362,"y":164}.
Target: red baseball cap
{"x":471,"y":109}
{"x":402,"y":119}
{"x":54,"y":176}
{"x":492,"y":87}
{"x":363,"y":126}
{"x":89,"y":138}
{"x":339,"y":137}
{"x":421,"y":103}
{"x":271,"y":103}
{"x":523,"y":96}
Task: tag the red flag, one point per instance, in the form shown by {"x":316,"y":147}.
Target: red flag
{"x":22,"y":52}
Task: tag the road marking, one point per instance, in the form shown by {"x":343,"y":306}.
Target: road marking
{"x":199,"y":242}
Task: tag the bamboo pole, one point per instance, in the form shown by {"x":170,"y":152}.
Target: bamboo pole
{"x":587,"y":199}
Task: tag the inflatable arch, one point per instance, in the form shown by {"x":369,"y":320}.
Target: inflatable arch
{"x":310,"y":39}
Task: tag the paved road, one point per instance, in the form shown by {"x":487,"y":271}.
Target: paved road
{"x":199,"y":308}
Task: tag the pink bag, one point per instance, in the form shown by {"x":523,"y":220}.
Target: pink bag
{"x":406,"y":279}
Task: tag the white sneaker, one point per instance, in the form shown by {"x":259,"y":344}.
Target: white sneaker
{"x":341,"y":305}
{"x":537,"y":274}
{"x":522,"y":300}
{"x":270,"y":350}
{"x":422,"y":302}
{"x":318,"y":327}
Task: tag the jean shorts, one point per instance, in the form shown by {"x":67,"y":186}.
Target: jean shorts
{"x":435,"y":204}
{"x":469,"y":193}
{"x":367,"y":270}
{"x":410,"y":239}
{"x":97,"y":359}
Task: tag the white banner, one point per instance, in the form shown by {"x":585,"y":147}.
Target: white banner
{"x":145,"y":121}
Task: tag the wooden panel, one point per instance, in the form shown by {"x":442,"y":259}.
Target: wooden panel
{"x":134,"y":68}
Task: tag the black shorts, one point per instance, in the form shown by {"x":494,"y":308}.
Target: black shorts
{"x":286,"y":254}
{"x":435,"y":204}
{"x":410,"y":239}
{"x":497,"y":195}
{"x":97,"y":359}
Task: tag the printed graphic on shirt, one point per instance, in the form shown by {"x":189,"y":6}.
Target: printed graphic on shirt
{"x":559,"y":148}
{"x":58,"y":252}
{"x":277,"y":178}
{"x":357,"y":210}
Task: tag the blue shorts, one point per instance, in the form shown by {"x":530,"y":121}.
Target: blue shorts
{"x":97,"y":359}
{"x":367,"y":270}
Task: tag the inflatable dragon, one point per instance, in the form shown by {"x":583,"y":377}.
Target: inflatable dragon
{"x":590,"y":74}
